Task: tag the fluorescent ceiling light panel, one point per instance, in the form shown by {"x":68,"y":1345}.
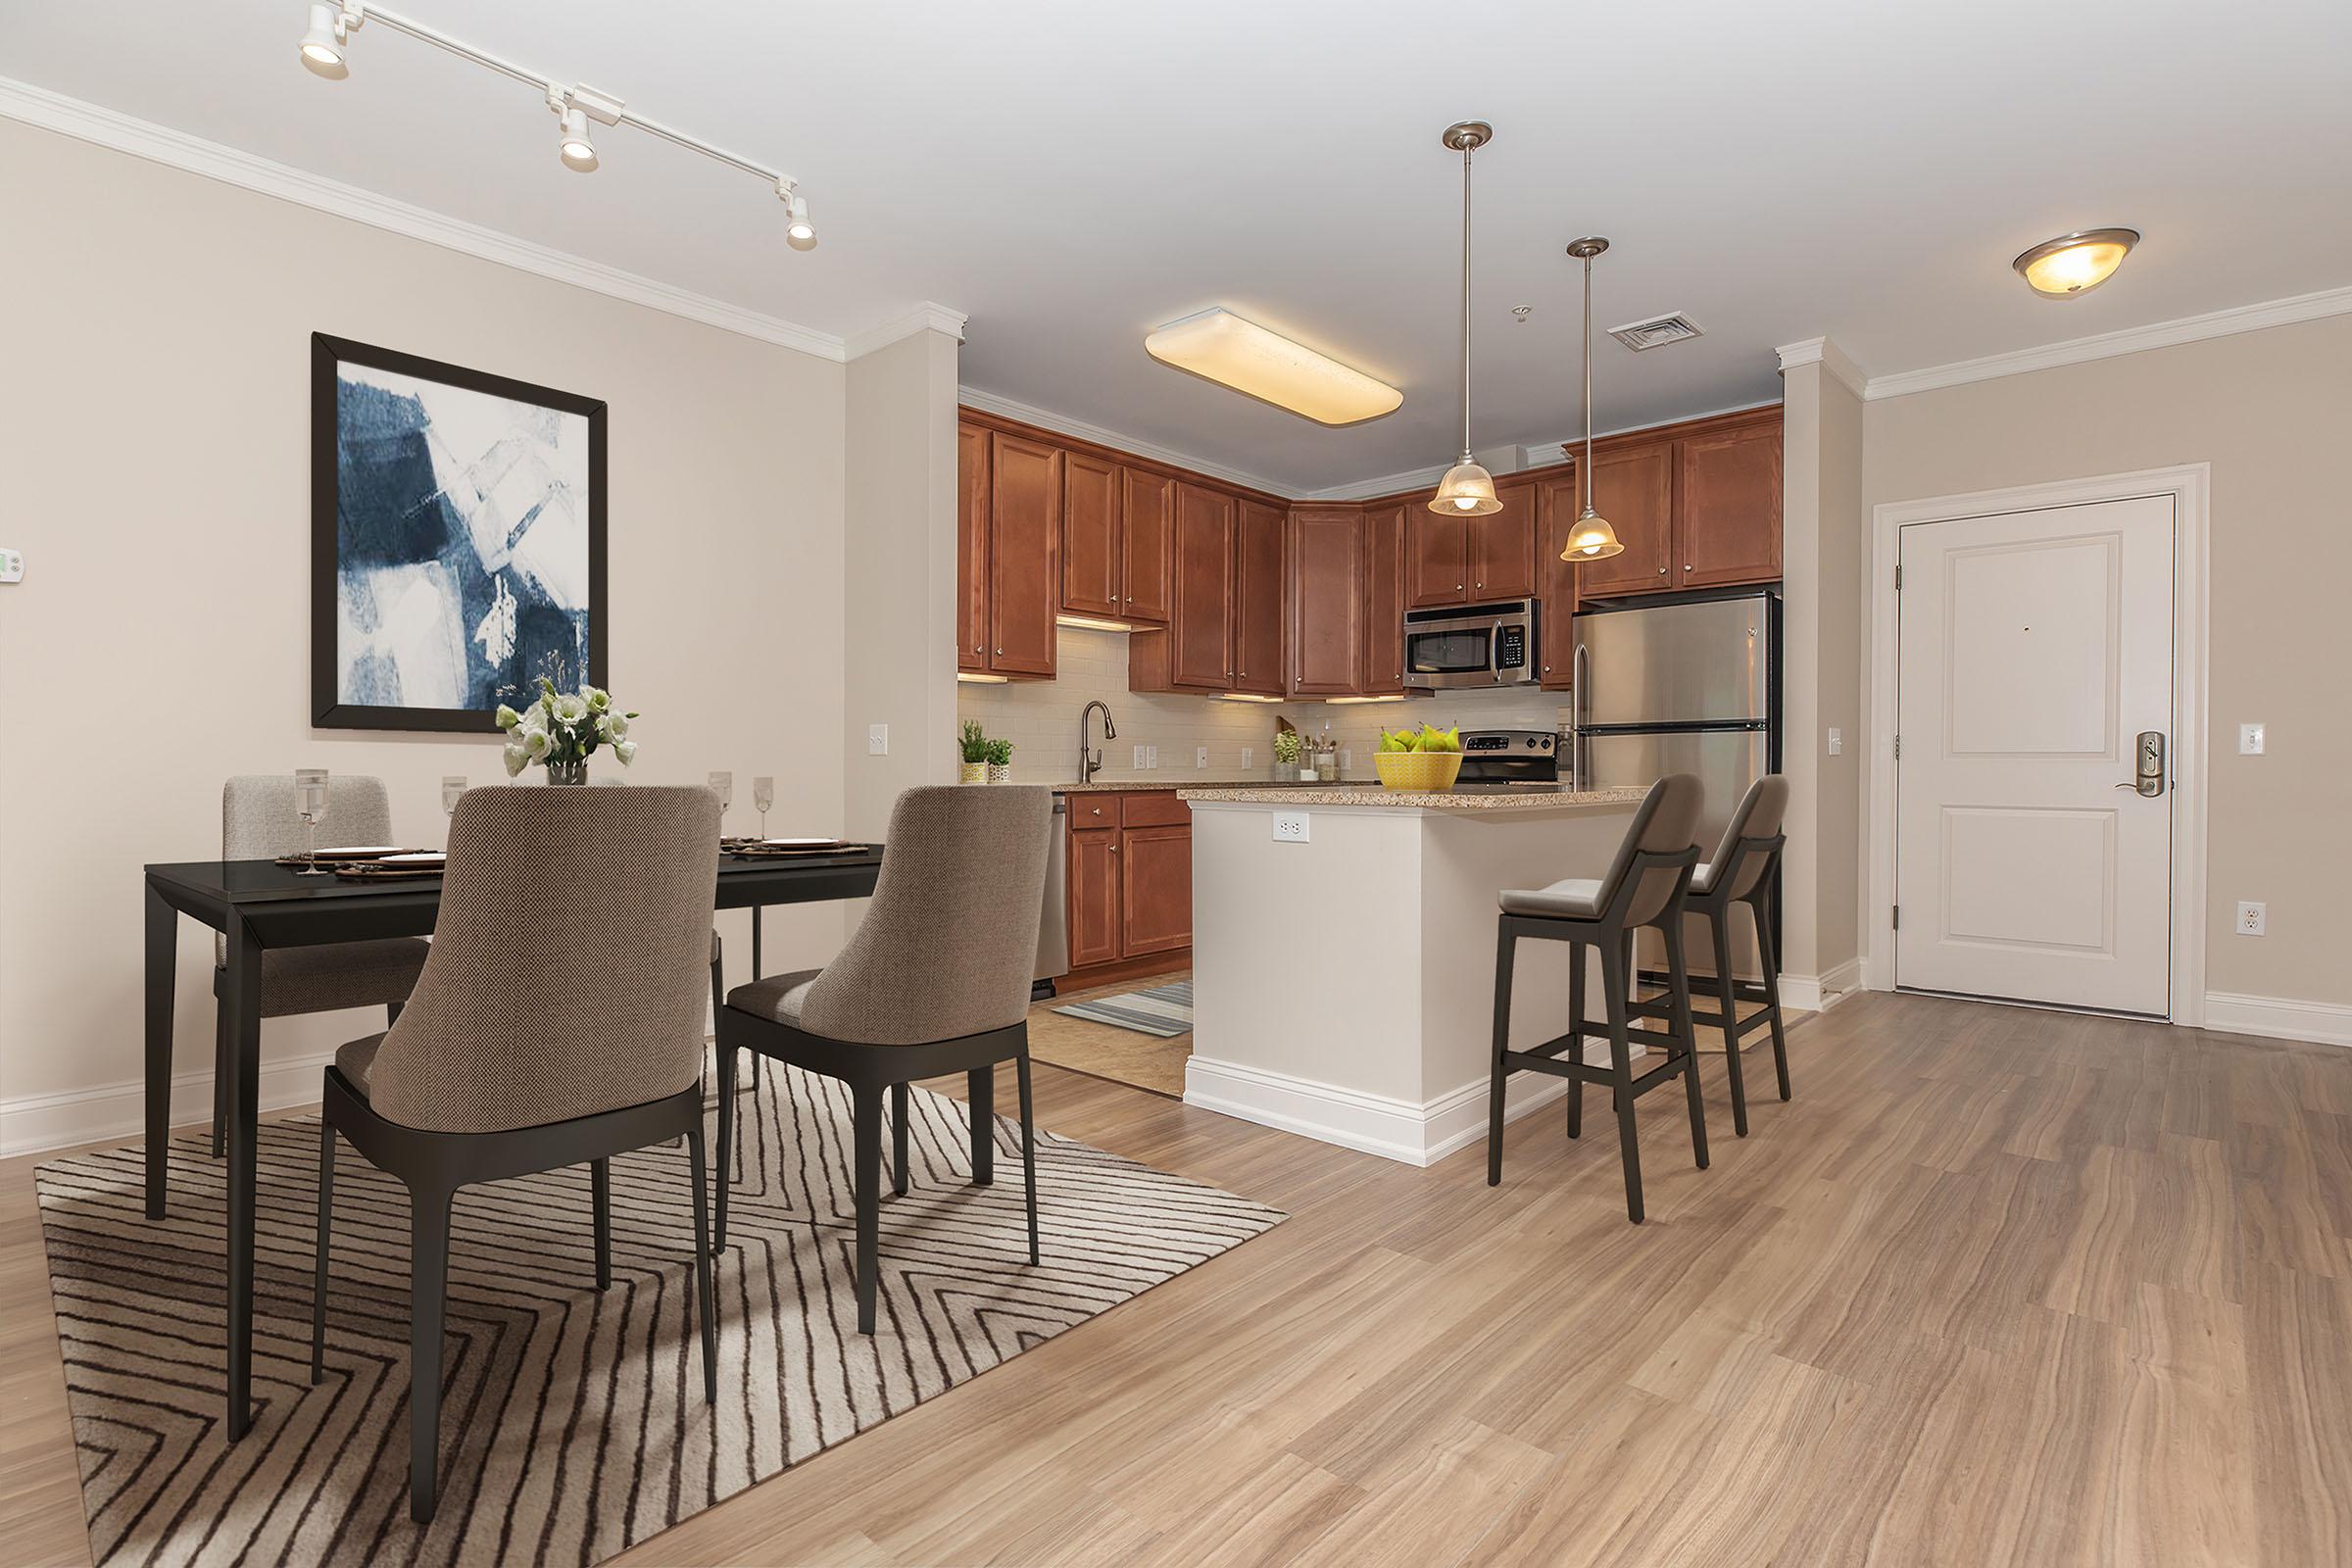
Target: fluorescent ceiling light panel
{"x":1246,"y":357}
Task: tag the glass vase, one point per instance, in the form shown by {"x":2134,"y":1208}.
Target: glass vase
{"x":567,"y":770}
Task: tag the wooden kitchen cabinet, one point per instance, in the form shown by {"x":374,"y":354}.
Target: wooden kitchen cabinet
{"x":1024,"y":546}
{"x":972,"y":547}
{"x":1201,"y":600}
{"x":1093,"y":578}
{"x":1632,"y":487}
{"x":1155,"y":890}
{"x":1259,"y":594}
{"x":1558,"y":501}
{"x":1327,"y":601}
{"x":1437,"y":555}
{"x":1473,"y":561}
{"x":1094,"y":895}
{"x":1382,"y":671}
{"x":1728,"y":505}
{"x":1147,"y":504}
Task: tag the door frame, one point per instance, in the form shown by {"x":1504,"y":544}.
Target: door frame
{"x":2189,"y":486}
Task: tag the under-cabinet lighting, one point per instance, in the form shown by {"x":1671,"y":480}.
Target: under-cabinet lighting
{"x":1246,"y":696}
{"x":1095,"y":623}
{"x":1244,"y":356}
{"x":1392,"y":697}
{"x":970,"y":678}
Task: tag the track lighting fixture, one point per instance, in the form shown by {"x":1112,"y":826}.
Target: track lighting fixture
{"x":325,"y":42}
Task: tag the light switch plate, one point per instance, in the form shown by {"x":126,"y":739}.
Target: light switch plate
{"x":1199,"y":757}
{"x":877,"y":740}
{"x":1139,"y":759}
{"x":2253,"y":919}
{"x":1151,"y":757}
{"x":2251,"y":738}
{"x":1289,"y":827}
{"x":1247,"y":752}
{"x":1837,"y":743}
{"x":1347,"y":758}
{"x":12,"y":565}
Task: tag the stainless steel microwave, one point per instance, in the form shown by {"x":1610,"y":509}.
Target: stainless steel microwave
{"x":1470,"y":645}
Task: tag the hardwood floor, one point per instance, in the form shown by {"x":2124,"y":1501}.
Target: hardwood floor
{"x":2000,"y":1285}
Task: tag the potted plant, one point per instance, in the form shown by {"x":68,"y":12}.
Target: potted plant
{"x":1000,"y":761}
{"x":1426,"y":758}
{"x":562,"y":730}
{"x":972,"y":747}
{"x":1286,"y":755}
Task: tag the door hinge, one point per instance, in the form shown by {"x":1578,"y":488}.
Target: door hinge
{"x":1898,"y":579}
{"x":1898,"y":748}
{"x":1898,"y":918}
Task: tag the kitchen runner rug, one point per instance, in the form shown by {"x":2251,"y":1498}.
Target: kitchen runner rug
{"x":1164,"y":1011}
{"x":573,"y":1421}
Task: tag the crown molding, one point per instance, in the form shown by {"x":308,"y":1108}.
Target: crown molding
{"x":1388,"y":484}
{"x":1830,"y":358}
{"x":928,"y":316}
{"x":109,"y":129}
{"x":972,"y":397}
{"x":2108,"y":345}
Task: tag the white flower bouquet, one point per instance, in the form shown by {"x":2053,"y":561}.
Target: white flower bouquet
{"x":562,"y":730}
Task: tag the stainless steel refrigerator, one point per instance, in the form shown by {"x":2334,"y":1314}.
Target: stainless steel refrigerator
{"x":1686,"y":684}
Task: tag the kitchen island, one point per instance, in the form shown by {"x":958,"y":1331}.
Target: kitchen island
{"x":1344,"y":953}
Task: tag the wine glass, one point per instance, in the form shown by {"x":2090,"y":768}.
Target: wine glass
{"x":763,"y":796}
{"x":453,"y":785}
{"x":309,"y":802}
{"x":722,"y":785}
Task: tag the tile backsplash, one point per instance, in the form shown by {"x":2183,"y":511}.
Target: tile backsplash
{"x":1041,"y":719}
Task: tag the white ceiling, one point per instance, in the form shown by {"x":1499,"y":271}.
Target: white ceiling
{"x":1075,"y":174}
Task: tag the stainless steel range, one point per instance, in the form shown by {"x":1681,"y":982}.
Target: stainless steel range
{"x":1504,"y":759}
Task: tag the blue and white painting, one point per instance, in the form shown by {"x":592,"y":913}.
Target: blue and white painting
{"x":463,"y":522}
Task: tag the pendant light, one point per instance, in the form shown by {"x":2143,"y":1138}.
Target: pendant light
{"x":1591,"y":539}
{"x":1467,"y":490}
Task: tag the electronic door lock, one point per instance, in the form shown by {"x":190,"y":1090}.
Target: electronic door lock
{"x":2147,"y":776}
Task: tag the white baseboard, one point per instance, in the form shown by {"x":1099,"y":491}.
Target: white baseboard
{"x":2330,"y":1023}
{"x":1417,"y":1133}
{"x":1819,"y":993}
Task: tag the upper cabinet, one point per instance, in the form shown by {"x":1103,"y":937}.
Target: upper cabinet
{"x":1558,"y":500}
{"x":1198,"y":651}
{"x":1094,"y":581}
{"x":1727,"y":504}
{"x":1146,"y":509}
{"x":1632,"y":487}
{"x":1468,"y":561}
{"x":1024,"y":544}
{"x":1327,"y":601}
{"x":1382,"y":669}
{"x":1260,"y":593}
{"x":971,"y":547}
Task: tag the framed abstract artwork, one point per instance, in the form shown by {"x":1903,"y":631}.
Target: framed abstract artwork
{"x":457,"y":540}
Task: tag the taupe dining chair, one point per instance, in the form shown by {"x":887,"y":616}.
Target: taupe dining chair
{"x":259,"y":822}
{"x":936,"y":980}
{"x":1644,"y":886}
{"x":559,"y":1021}
{"x":1742,"y":871}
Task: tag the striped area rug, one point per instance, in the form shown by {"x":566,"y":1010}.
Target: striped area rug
{"x":573,"y":1421}
{"x":1164,"y":1011}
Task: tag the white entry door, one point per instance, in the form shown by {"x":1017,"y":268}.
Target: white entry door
{"x":2037,"y":651}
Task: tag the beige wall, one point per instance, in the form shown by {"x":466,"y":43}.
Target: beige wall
{"x":2270,"y":411}
{"x":154,"y":460}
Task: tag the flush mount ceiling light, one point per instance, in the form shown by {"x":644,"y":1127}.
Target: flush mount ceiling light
{"x":2075,"y":264}
{"x":1467,"y":490}
{"x":325,"y":46}
{"x":1591,"y":539}
{"x":1238,"y":353}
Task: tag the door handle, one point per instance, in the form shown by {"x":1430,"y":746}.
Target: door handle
{"x":2147,"y":774}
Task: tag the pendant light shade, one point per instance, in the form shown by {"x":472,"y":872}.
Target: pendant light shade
{"x":1467,"y":490}
{"x":1591,"y":539}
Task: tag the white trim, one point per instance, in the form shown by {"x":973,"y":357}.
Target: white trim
{"x":2107,"y":345}
{"x":1416,"y":1133}
{"x":121,"y":132}
{"x":2190,"y":486}
{"x":1819,"y":993}
{"x":928,"y":316}
{"x":32,"y":1123}
{"x":972,"y":397}
{"x":2279,"y":1018}
{"x":1388,"y":484}
{"x":1830,"y":356}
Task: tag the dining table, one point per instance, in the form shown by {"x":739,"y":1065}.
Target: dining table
{"x":259,"y":905}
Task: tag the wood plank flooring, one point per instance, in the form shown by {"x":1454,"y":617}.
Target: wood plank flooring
{"x":2000,"y":1287}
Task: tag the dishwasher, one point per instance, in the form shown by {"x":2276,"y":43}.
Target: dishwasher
{"x":1054,"y":918}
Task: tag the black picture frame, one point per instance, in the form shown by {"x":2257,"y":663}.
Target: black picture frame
{"x":327,"y":711}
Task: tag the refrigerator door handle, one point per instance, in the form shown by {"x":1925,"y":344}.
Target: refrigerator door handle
{"x":1578,"y":663}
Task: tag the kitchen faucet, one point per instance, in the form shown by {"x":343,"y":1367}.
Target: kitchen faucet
{"x":1090,"y":762}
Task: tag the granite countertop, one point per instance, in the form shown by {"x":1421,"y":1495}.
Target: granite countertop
{"x":1107,"y":786}
{"x":1510,"y":800}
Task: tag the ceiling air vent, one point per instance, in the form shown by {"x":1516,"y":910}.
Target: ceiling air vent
{"x":1657,"y":330}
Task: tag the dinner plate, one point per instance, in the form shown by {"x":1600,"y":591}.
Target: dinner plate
{"x":419,"y":858}
{"x":799,"y":844}
{"x":355,"y":852}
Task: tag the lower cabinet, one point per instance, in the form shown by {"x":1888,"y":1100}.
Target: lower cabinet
{"x":1131,"y":885}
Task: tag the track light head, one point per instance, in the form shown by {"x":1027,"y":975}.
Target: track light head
{"x":799,"y":233}
{"x":322,"y":45}
{"x":579,"y":152}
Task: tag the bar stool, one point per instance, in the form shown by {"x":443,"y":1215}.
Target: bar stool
{"x":1644,"y":886}
{"x":1740,"y":871}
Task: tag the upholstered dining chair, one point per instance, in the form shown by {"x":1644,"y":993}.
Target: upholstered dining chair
{"x":559,"y":1021}
{"x":935,"y":980}
{"x":259,"y":822}
{"x":1644,"y":885}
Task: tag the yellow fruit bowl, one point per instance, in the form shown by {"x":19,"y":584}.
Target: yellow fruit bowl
{"x":1417,"y":770}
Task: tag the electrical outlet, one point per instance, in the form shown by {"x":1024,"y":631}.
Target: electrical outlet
{"x":1247,"y":752}
{"x":1199,"y":757}
{"x":1139,"y":759}
{"x":2252,"y":919}
{"x":1837,"y":743}
{"x":1289,"y":827}
{"x":877,"y":740}
{"x":1151,"y":757}
{"x":2251,"y":739}
{"x":12,"y":566}
{"x":1347,"y":758}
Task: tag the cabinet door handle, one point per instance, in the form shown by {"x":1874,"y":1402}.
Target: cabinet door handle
{"x":1685,"y":565}
{"x":999,"y":652}
{"x":1661,"y":572}
{"x":1114,"y":848}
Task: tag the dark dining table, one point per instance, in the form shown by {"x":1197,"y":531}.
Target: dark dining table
{"x":259,"y":905}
